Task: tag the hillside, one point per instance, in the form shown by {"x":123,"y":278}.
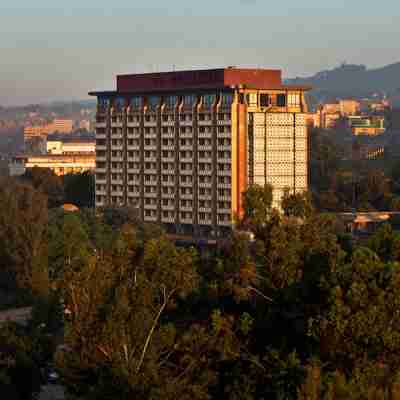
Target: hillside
{"x":354,"y":81}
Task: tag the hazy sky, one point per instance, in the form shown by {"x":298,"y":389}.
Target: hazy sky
{"x":60,"y":50}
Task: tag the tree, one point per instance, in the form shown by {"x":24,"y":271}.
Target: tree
{"x":119,"y":309}
{"x":80,"y":189}
{"x":69,"y":245}
{"x":47,"y":182}
{"x":20,"y":377}
{"x":360,"y":326}
{"x":23,"y":238}
{"x":296,"y":204}
{"x":257,"y":202}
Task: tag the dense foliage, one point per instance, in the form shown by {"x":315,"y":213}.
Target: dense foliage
{"x":288,"y":312}
{"x":340,"y":183}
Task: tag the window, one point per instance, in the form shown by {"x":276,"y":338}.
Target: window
{"x":251,"y":99}
{"x":293,"y":99}
{"x":281,"y":100}
{"x":264,"y":100}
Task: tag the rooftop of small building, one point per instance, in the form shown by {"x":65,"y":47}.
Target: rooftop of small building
{"x":209,"y":79}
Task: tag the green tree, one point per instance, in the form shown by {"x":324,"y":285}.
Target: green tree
{"x":47,"y":182}
{"x":257,"y":202}
{"x":23,"y":238}
{"x":296,"y":204}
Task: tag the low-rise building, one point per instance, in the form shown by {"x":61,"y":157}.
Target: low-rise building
{"x":60,"y":164}
{"x":367,"y":125}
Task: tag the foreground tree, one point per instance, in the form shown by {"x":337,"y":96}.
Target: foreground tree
{"x":23,"y":238}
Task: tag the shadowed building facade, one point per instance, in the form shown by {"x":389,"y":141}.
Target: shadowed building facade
{"x":182,"y":147}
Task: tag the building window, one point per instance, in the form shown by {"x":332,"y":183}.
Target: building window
{"x":264,"y":100}
{"x":281,"y":100}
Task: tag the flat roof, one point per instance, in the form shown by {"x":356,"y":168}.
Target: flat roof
{"x":211,"y":79}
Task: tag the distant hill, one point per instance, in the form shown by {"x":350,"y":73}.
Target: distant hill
{"x":350,"y":80}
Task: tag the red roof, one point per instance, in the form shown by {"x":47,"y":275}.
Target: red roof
{"x":201,"y":79}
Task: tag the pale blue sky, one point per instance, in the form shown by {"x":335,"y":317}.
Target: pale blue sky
{"x":52,"y":50}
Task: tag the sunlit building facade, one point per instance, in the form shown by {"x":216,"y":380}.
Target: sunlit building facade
{"x":182,"y":147}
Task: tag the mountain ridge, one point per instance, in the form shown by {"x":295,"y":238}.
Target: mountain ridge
{"x":352,"y":80}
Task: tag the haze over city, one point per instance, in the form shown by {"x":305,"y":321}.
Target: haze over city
{"x":53,"y":51}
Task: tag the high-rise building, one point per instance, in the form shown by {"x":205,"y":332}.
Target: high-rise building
{"x":182,"y":147}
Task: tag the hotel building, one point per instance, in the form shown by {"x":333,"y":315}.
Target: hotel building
{"x":182,"y":147}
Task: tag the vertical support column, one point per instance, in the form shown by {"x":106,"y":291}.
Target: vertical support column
{"x":125,"y":152}
{"x":158,"y":146}
{"x":242,"y":156}
{"x":195,"y":177}
{"x":177,"y":170}
{"x":141,"y":173}
{"x":234,"y":157}
{"x":108,"y":154}
{"x":214,"y":168}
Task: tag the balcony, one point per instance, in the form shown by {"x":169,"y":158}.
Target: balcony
{"x":224,"y":148}
{"x":101,"y":135}
{"x":185,"y":172}
{"x":151,"y":195}
{"x":186,"y":159}
{"x":168,"y":147}
{"x":186,"y":123}
{"x":168,"y":196}
{"x":168,"y":207}
{"x":224,"y":223}
{"x":205,"y":159}
{"x":101,"y":192}
{"x":150,"y":206}
{"x":187,"y":135}
{"x":168,"y":123}
{"x":150,"y":159}
{"x":206,"y":222}
{"x":224,"y":122}
{"x":186,"y":184}
{"x":168,"y":171}
{"x":167,"y":134}
{"x":101,"y":181}
{"x":224,"y":186}
{"x":207,"y":185}
{"x":205,"y":172}
{"x":205,"y":123}
{"x":134,"y":171}
{"x":224,"y":135}
{"x":224,"y":198}
{"x":168,"y":220}
{"x":151,"y":124}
